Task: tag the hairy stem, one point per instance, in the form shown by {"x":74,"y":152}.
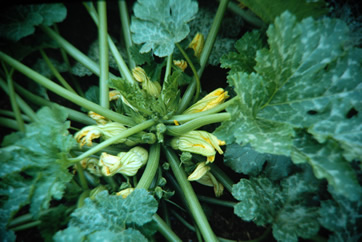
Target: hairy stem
{"x":190,"y":196}
{"x":151,"y":167}
{"x":197,"y":123}
{"x":103,"y":55}
{"x":138,"y":128}
{"x":40,"y":79}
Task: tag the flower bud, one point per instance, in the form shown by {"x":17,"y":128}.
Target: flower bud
{"x":209,"y":180}
{"x":152,"y":88}
{"x":87,"y":134}
{"x":211,"y":100}
{"x":97,"y":117}
{"x":91,"y":164}
{"x":126,"y":163}
{"x":199,"y":172}
{"x":139,"y":74}
{"x":114,"y":95}
{"x":125,"y":192}
{"x":180,"y":64}
{"x":197,"y":44}
{"x":199,"y":142}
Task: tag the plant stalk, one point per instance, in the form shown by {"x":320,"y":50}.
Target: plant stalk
{"x":164,"y":229}
{"x":222,"y":177}
{"x":40,"y":79}
{"x":151,"y":167}
{"x":103,"y":55}
{"x":190,"y":196}
{"x":126,"y":31}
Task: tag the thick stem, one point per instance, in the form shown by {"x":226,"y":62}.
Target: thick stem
{"x":82,"y":180}
{"x":103,"y":55}
{"x":9,"y":123}
{"x":190,"y":196}
{"x":196,"y":76}
{"x":123,"y":68}
{"x":126,"y":31}
{"x":65,"y":93}
{"x":56,"y":72}
{"x":12,"y":115}
{"x":168,"y":68}
{"x":186,"y":98}
{"x":14,"y":104}
{"x":151,"y":168}
{"x":197,"y":123}
{"x":110,"y":141}
{"x":164,"y":229}
{"x":211,"y":37}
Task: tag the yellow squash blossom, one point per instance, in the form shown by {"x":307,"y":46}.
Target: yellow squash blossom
{"x":125,"y":192}
{"x":180,"y":64}
{"x":108,"y":130}
{"x":211,"y":100}
{"x":97,"y":117}
{"x":152,"y":88}
{"x":91,"y":164}
{"x":199,"y":172}
{"x":197,"y":44}
{"x":199,"y":142}
{"x":126,"y":163}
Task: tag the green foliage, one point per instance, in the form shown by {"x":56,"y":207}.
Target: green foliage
{"x":283,"y":205}
{"x":303,"y":82}
{"x":170,"y":93}
{"x":140,"y":58}
{"x":34,"y":169}
{"x":19,"y":21}
{"x":244,"y":58}
{"x":110,"y":216}
{"x":342,"y":217}
{"x":269,"y":10}
{"x":159,"y":24}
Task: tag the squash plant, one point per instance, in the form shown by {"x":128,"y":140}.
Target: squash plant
{"x":116,"y":161}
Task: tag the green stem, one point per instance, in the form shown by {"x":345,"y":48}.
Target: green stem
{"x":22,"y":104}
{"x":222,"y":177}
{"x":9,"y":123}
{"x":168,"y":68}
{"x":103,"y":55}
{"x":40,"y":79}
{"x":151,"y":168}
{"x":164,"y":229}
{"x":73,"y":114}
{"x":183,"y":221}
{"x":56,"y":72}
{"x":246,"y":15}
{"x":123,"y":68}
{"x":82,"y":180}
{"x":188,"y":117}
{"x":12,"y":115}
{"x":27,"y":226}
{"x":81,"y":198}
{"x":126,"y":31}
{"x":110,"y":141}
{"x":197,"y":123}
{"x":190,"y":196}
{"x":211,"y":37}
{"x":196,"y":76}
{"x":73,"y":51}
{"x":186,"y":98}
{"x":14,"y":104}
{"x":216,"y":201}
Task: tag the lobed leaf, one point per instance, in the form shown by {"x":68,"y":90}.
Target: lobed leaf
{"x":159,"y":24}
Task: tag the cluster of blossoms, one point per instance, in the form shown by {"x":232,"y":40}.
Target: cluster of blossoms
{"x":128,"y":163}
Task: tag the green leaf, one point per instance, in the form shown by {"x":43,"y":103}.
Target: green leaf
{"x":307,"y":80}
{"x":126,"y":235}
{"x":159,"y":24}
{"x":140,"y":58}
{"x":268,"y":10}
{"x":19,"y":21}
{"x":283,"y":205}
{"x":244,"y":58}
{"x":55,"y":219}
{"x":40,"y":154}
{"x":342,"y":217}
{"x":69,"y":234}
{"x":327,"y":162}
{"x":170,"y":93}
{"x":110,"y":212}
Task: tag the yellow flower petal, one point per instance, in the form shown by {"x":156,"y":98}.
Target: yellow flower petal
{"x":180,"y":64}
{"x":197,"y":44}
{"x":211,"y":100}
{"x":125,"y":192}
{"x":97,"y":117}
{"x":199,"y":172}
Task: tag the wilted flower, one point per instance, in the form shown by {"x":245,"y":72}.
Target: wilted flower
{"x":152,"y":88}
{"x":209,"y":180}
{"x":197,"y":44}
{"x":125,"y":192}
{"x":97,"y":117}
{"x":180,"y":64}
{"x":114,"y":95}
{"x":108,"y":130}
{"x":211,"y":100}
{"x":199,"y":142}
{"x":126,"y":163}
